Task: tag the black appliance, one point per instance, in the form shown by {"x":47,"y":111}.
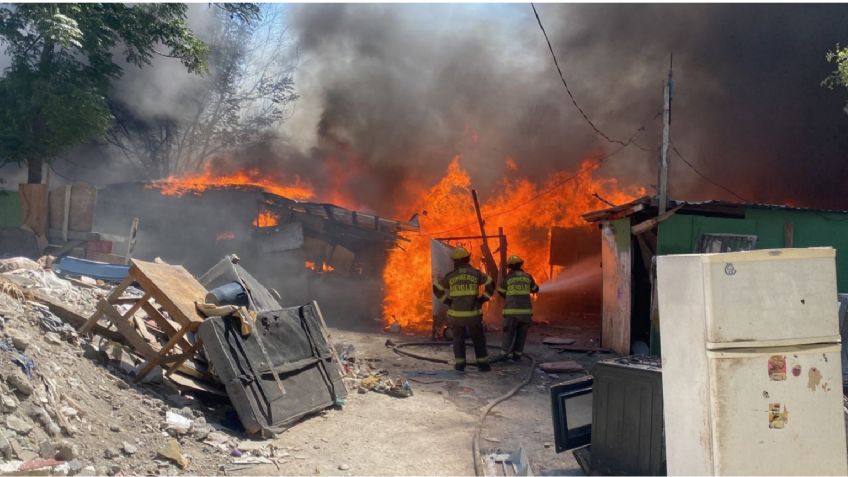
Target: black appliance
{"x":613,"y":419}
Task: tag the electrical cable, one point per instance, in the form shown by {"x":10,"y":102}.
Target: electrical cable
{"x":704,"y":176}
{"x":567,"y":89}
{"x":475,"y":445}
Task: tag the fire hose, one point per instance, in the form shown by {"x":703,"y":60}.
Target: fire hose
{"x":475,"y":446}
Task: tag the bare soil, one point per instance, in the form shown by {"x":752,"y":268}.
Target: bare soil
{"x":116,"y":427}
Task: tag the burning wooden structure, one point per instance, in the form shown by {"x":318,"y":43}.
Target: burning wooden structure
{"x":304,"y":250}
{"x":632,"y":234}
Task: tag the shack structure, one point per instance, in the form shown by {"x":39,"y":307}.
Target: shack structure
{"x":633,"y":234}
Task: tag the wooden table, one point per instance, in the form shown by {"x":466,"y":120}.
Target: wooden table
{"x":176,"y":291}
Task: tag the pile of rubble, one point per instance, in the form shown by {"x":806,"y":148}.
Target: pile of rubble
{"x":70,"y":405}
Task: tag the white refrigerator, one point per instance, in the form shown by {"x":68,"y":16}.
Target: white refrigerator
{"x":752,"y":377}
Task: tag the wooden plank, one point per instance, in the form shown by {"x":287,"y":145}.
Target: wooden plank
{"x":136,"y":306}
{"x":173,"y":287}
{"x":653,"y":222}
{"x":616,"y":263}
{"x":56,"y":234}
{"x":66,"y":215}
{"x":580,"y":349}
{"x":167,"y":325}
{"x":157,"y":357}
{"x":34,"y":212}
{"x":129,"y":332}
{"x":788,"y":235}
{"x":131,"y":240}
{"x":83,"y":200}
{"x":113,"y":295}
{"x":183,"y":357}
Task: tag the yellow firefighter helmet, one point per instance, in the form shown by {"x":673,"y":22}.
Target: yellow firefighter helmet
{"x":459,"y":253}
{"x":514,"y":260}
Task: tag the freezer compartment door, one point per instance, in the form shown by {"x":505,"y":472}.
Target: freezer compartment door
{"x":767,"y":298}
{"x":777,"y":411}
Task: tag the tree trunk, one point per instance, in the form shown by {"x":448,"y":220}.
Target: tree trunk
{"x":34,"y":168}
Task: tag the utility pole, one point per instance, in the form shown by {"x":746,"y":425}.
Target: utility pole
{"x":662,"y":169}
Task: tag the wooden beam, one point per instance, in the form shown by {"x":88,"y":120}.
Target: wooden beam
{"x":651,"y":223}
{"x":131,"y":240}
{"x":113,"y":295}
{"x":127,"y":330}
{"x":66,"y":217}
{"x":788,"y":235}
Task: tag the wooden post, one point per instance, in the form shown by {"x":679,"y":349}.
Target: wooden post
{"x":66,"y":218}
{"x":788,"y":235}
{"x":502,"y":248}
{"x":662,"y":170}
{"x":488,"y":258}
{"x":131,"y":240}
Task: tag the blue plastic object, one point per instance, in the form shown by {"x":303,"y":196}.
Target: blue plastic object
{"x":75,"y":267}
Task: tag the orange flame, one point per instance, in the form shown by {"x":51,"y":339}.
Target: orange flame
{"x":266,"y":218}
{"x":197,"y":183}
{"x":310,"y":265}
{"x":524,"y":210}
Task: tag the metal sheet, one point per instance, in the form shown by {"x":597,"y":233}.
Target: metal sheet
{"x":285,"y":237}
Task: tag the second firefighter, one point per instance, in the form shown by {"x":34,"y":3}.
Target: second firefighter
{"x":516,"y":288}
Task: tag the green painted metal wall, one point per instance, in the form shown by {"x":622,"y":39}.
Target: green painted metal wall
{"x":681,"y":233}
{"x":10,"y":209}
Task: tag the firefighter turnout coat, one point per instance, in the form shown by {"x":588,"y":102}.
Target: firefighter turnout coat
{"x":516,"y":288}
{"x":460,"y":290}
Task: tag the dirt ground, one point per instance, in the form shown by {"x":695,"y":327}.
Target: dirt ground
{"x":80,"y":406}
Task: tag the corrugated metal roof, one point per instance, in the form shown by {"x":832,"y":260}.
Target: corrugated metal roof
{"x":630,"y":208}
{"x":755,"y":205}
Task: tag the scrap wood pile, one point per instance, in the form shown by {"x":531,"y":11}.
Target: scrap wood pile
{"x":140,"y":358}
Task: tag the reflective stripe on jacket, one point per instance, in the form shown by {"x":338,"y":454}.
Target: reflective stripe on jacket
{"x":462,"y":287}
{"x":516,"y":288}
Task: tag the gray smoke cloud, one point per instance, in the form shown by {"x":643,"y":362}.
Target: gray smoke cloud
{"x":405,"y":87}
{"x":390,"y":93}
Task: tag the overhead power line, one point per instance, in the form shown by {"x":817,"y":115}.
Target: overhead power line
{"x":568,"y":90}
{"x":706,"y":177}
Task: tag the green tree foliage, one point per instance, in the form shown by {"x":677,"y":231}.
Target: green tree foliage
{"x":62,"y":62}
{"x":839,"y":76}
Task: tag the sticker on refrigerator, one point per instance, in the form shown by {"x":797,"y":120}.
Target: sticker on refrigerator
{"x":814,"y":377}
{"x":777,"y":367}
{"x":777,"y":416}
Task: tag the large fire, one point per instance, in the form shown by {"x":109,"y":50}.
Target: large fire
{"x":520,"y":207}
{"x":197,"y":183}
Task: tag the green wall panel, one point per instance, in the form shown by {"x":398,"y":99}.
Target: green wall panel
{"x":10,"y":209}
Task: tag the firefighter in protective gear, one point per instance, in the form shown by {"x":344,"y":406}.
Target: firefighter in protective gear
{"x":460,"y":290}
{"x":516,"y":287}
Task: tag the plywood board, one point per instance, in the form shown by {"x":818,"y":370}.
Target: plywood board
{"x":81,"y":211}
{"x":34,"y":212}
{"x":616,"y":263}
{"x":173,"y":287}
